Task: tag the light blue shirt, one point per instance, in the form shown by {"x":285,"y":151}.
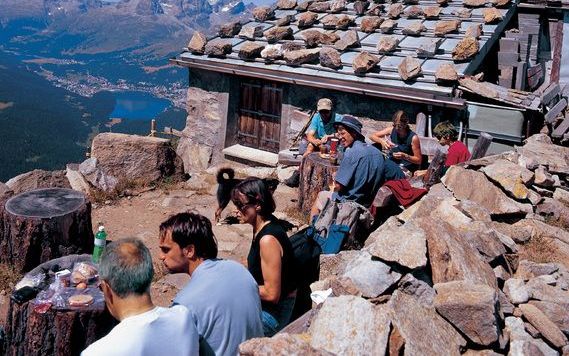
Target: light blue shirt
{"x":361,"y":173}
{"x":320,"y":129}
{"x":224,"y":298}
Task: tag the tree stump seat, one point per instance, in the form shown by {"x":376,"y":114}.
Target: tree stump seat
{"x":317,"y":174}
{"x":43,"y":224}
{"x":61,"y":330}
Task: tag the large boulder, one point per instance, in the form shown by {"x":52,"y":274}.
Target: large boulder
{"x":452,"y":258}
{"x":538,"y":152}
{"x":405,"y":245}
{"x":348,"y":325}
{"x":511,"y":177}
{"x":473,"y":185}
{"x":516,"y":291}
{"x":425,"y":332}
{"x":522,"y":343}
{"x":471,"y":308}
{"x":546,"y":327}
{"x":37,"y":179}
{"x":76,"y":179}
{"x":90,"y":170}
{"x":555,"y":311}
{"x":529,"y":269}
{"x":280,"y":344}
{"x":371,"y":277}
{"x":134,"y":158}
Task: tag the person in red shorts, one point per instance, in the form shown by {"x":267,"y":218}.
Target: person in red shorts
{"x":447,"y":135}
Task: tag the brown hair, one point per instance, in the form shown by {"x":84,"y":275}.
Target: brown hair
{"x":400,"y":119}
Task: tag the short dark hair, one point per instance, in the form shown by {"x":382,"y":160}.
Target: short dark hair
{"x":444,"y":129}
{"x":126,"y":265}
{"x":191,"y":229}
{"x":256,"y":192}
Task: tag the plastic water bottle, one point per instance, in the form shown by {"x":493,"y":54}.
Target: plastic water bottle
{"x":100,"y":242}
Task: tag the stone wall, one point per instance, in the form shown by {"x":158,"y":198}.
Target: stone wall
{"x":213,"y":114}
{"x":204,"y":134}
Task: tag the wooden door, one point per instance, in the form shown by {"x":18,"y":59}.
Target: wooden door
{"x":260,"y":116}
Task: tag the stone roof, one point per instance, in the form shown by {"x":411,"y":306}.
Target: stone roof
{"x":384,"y":78}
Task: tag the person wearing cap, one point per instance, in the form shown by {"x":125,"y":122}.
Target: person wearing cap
{"x":322,"y":125}
{"x":361,"y":172}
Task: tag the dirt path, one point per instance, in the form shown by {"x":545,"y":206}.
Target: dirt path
{"x":140,"y":216}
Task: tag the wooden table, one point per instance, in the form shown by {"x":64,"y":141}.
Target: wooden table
{"x":42,"y":224}
{"x":316,"y":175}
{"x":60,"y":330}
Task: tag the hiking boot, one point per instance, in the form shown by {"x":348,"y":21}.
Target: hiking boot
{"x":294,"y":180}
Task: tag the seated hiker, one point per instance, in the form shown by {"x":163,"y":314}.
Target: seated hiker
{"x":271,"y":257}
{"x":403,"y":146}
{"x":322,"y":126}
{"x":447,"y":135}
{"x":221,"y":294}
{"x":361,"y":172}
{"x":126,"y":272}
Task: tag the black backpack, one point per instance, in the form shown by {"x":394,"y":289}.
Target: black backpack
{"x":306,"y":255}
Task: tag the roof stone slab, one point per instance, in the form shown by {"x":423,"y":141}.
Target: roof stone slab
{"x":383,"y":76}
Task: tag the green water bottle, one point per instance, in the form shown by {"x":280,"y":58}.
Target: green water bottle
{"x":100,"y":242}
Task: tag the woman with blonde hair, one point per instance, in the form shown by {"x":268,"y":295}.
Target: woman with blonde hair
{"x":403,"y":145}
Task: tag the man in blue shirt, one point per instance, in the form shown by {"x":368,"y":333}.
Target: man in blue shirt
{"x":221,"y":294}
{"x":322,"y":125}
{"x":362,"y":171}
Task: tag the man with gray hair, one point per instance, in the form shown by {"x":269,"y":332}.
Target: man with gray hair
{"x":126,"y":272}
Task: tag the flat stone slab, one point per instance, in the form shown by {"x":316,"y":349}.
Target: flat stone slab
{"x":252,"y":154}
{"x":45,"y":203}
{"x":510,"y":176}
{"x":405,"y":245}
{"x":349,"y":325}
{"x":473,"y":185}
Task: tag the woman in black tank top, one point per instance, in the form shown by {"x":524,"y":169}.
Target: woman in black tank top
{"x":403,"y":145}
{"x":270,"y":258}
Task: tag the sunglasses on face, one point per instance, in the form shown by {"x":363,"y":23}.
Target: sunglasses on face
{"x":242,"y":206}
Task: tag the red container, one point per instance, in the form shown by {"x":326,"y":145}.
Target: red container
{"x":334,"y":145}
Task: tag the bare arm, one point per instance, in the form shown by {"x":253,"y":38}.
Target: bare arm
{"x":271,"y":265}
{"x":310,"y":137}
{"x":377,"y":137}
{"x":416,"y":158}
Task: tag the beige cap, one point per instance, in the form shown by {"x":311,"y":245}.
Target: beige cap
{"x":324,"y":104}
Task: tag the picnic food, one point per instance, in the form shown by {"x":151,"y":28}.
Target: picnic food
{"x":82,"y":272}
{"x":80,"y":300}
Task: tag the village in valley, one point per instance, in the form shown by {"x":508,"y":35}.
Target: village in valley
{"x":413,"y":154}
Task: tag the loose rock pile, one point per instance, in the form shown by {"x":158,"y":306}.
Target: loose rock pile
{"x":479,"y":266}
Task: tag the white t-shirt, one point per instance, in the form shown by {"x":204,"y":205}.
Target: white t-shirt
{"x":160,"y":331}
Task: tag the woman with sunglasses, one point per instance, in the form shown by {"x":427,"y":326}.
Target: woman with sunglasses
{"x":271,"y":258}
{"x":403,"y":145}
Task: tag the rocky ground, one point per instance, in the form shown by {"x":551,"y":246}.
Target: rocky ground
{"x":479,"y":266}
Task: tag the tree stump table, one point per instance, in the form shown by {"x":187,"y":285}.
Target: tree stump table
{"x":317,"y":174}
{"x":43,"y":224}
{"x":61,"y":330}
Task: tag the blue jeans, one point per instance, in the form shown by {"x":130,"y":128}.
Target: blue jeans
{"x":276,"y":317}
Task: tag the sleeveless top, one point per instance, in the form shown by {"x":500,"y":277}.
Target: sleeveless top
{"x":403,"y":145}
{"x":287,"y":268}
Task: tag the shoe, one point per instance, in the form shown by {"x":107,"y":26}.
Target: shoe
{"x":294,"y":180}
